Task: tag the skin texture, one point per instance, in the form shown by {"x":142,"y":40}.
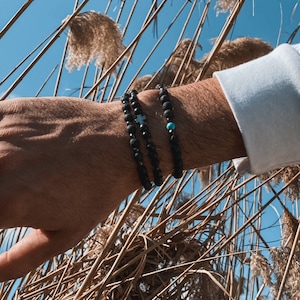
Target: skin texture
{"x":66,"y":161}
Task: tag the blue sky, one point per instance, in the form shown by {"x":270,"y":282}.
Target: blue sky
{"x":271,"y":20}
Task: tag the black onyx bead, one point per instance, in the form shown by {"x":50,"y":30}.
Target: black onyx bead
{"x":131,"y":129}
{"x":168,"y":114}
{"x":138,"y":156}
{"x":143,"y":127}
{"x":173,"y":139}
{"x":138,"y":111}
{"x":150,"y":146}
{"x":148,"y":185}
{"x":162,"y":90}
{"x":128,"y":118}
{"x":164,"y":98}
{"x":126,"y":107}
{"x":133,"y":93}
{"x":179,"y":163}
{"x":158,"y":180}
{"x":134,"y":143}
{"x":142,"y":171}
{"x":135,"y":104}
{"x":167,"y":105}
{"x":177,"y":173}
{"x":144,"y":177}
{"x":146,"y":134}
{"x":126,"y":97}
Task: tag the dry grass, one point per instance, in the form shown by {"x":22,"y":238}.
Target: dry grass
{"x":183,"y":65}
{"x":188,"y":239}
{"x":281,"y":272}
{"x":162,"y":244}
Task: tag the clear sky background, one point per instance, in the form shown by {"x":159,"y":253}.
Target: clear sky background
{"x":271,"y":20}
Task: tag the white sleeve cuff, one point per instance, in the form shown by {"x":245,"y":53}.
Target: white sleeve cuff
{"x":264,"y":96}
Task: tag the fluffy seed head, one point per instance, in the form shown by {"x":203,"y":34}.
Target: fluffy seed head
{"x":224,"y":5}
{"x":92,"y":36}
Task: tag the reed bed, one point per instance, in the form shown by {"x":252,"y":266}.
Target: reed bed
{"x":211,"y":234}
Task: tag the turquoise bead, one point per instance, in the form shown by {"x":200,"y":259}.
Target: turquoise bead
{"x":171,"y":126}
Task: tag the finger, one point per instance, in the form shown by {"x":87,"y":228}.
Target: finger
{"x":34,"y":249}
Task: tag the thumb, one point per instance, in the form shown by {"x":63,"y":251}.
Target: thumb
{"x":35,"y":248}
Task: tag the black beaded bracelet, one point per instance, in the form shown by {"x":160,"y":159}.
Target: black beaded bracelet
{"x":134,"y":143}
{"x":140,"y":119}
{"x":169,"y":114}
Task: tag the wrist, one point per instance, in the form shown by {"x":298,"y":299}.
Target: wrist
{"x":205,"y":125}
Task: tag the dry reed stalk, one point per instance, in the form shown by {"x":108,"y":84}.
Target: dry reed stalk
{"x":10,"y":23}
{"x":281,"y":272}
{"x":56,"y":35}
{"x":184,"y":255}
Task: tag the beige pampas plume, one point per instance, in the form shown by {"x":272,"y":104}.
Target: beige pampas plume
{"x":91,"y":36}
{"x":224,"y":5}
{"x":289,"y":228}
{"x":183,"y":63}
{"x":260,"y":267}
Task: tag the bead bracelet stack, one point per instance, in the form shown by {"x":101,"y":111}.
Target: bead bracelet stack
{"x":130,"y":102}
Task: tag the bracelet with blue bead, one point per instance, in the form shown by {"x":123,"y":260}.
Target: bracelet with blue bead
{"x":170,"y":126}
{"x":134,"y":143}
{"x":140,"y":119}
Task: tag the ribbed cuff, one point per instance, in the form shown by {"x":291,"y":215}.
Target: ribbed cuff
{"x":264,"y":96}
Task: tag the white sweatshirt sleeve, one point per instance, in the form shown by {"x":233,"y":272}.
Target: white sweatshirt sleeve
{"x":264,"y":96}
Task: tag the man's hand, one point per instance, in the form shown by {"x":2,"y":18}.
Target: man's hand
{"x":65,"y":164}
{"x":61,"y":172}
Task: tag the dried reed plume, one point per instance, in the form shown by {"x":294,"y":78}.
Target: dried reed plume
{"x":92,"y":36}
{"x":272,"y":272}
{"x":260,"y":267}
{"x":289,"y":175}
{"x":225,"y":5}
{"x":289,"y":229}
{"x":183,"y":64}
